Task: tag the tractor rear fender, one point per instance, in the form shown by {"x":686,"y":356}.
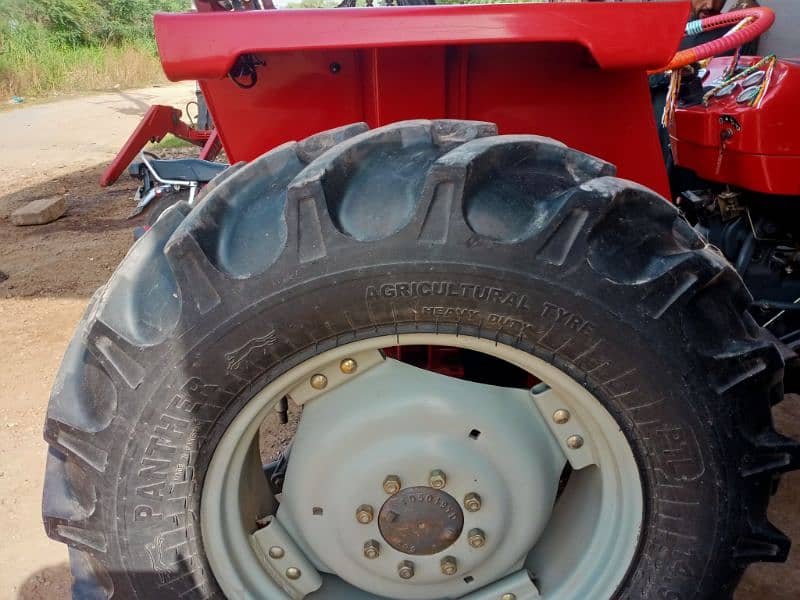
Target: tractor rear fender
{"x":575,"y":72}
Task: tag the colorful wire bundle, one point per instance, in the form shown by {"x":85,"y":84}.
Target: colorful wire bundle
{"x":672,"y":97}
{"x":765,"y":83}
{"x":748,"y":71}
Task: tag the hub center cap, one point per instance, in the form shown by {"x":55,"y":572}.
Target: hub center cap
{"x":420,"y":520}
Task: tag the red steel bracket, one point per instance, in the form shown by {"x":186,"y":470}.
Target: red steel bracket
{"x":157,"y":122}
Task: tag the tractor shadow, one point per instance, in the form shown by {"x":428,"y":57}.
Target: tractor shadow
{"x":50,"y":583}
{"x":770,"y":580}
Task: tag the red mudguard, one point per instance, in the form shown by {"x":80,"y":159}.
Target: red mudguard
{"x":575,"y":72}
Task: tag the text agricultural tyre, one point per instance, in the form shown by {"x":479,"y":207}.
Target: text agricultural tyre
{"x":640,"y":466}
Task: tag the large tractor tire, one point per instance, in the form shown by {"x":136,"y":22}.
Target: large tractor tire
{"x":609,"y":434}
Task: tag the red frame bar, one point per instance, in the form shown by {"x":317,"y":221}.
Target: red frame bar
{"x":158,"y":121}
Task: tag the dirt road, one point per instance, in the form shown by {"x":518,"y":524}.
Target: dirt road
{"x":47,"y":274}
{"x":51,"y":272}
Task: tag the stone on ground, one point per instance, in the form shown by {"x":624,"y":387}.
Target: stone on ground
{"x":39,"y":212}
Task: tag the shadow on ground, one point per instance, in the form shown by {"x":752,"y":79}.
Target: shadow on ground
{"x":50,"y":583}
{"x":74,"y":255}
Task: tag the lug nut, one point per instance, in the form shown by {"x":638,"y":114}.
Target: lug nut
{"x":437,"y":479}
{"x":449,"y":565}
{"x":472,"y":502}
{"x":372,"y":549}
{"x":348,"y":366}
{"x":405,"y":569}
{"x":276,"y":552}
{"x":391,"y":485}
{"x":508,"y":596}
{"x":364,"y":514}
{"x":319,"y":381}
{"x":293,"y":573}
{"x":561,"y":416}
{"x":476,"y":538}
{"x":574,"y":442}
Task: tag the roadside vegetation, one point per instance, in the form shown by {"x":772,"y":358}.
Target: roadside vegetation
{"x":63,"y":46}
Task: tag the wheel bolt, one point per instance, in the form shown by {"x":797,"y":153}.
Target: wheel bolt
{"x":293,"y":573}
{"x":348,"y":366}
{"x":449,"y":565}
{"x":574,"y":441}
{"x":508,"y":596}
{"x":319,"y":381}
{"x":437,"y":479}
{"x":391,"y":485}
{"x":364,"y":514}
{"x":476,"y":538}
{"x":372,"y":549}
{"x":405,"y":569}
{"x":276,"y":552}
{"x":472,"y":502}
{"x":561,"y":416}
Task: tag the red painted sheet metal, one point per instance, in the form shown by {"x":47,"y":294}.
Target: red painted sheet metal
{"x":763,"y":154}
{"x":616,"y":35}
{"x":547,"y":89}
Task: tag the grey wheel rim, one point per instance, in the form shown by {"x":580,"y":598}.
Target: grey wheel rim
{"x":580,"y":548}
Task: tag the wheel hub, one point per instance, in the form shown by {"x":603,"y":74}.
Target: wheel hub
{"x":371,"y":435}
{"x":419,"y":457}
{"x":421,"y":521}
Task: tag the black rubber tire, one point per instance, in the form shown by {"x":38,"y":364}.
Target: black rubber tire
{"x":354,"y":233}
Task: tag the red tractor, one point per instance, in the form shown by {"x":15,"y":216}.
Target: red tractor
{"x":441,"y":347}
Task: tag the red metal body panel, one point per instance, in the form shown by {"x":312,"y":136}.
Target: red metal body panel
{"x":764,"y":155}
{"x":573,"y":72}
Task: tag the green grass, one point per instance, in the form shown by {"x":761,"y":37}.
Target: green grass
{"x":169,"y":142}
{"x":64,"y":46}
{"x":49,"y":67}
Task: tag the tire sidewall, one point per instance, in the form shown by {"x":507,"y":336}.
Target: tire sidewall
{"x":657,"y":394}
